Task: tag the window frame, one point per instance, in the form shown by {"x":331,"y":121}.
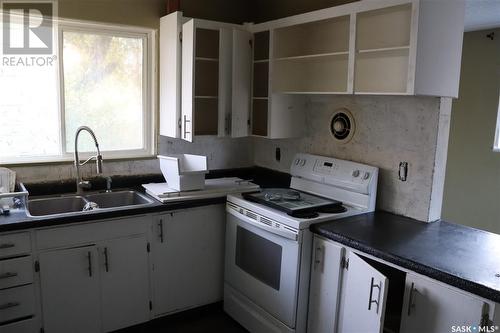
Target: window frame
{"x":496,"y":142}
{"x":149,"y":112}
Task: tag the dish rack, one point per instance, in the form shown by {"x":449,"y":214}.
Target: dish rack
{"x":16,"y":198}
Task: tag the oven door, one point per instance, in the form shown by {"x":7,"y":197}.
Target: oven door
{"x":263,"y":264}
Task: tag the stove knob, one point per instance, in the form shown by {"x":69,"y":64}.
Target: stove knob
{"x":302,"y":162}
{"x":366,"y":176}
{"x":297,"y":161}
{"x":355,"y":173}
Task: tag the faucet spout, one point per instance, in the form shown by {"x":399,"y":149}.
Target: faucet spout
{"x":80,"y":183}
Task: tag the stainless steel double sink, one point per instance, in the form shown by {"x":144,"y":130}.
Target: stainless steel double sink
{"x":64,"y":205}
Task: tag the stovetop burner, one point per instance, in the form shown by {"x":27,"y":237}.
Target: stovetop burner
{"x":334,"y":209}
{"x":304,"y":215}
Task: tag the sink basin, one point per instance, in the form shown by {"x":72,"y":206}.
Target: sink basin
{"x":73,"y":204}
{"x":55,"y":206}
{"x":118,"y":199}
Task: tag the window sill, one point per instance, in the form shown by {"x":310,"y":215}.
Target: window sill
{"x":62,"y":161}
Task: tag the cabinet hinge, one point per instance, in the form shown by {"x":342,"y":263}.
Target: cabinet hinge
{"x":344,"y":263}
{"x":150,"y":305}
{"x":250,"y":42}
{"x":180,"y":36}
{"x":148,"y":247}
{"x":37,"y":266}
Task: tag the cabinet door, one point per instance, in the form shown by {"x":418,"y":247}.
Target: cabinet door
{"x":363,"y":298}
{"x":241,"y":83}
{"x":188,"y":61}
{"x":188,"y":259}
{"x":70,"y":290}
{"x":434,"y":308}
{"x":325,"y":286}
{"x":125,"y":283}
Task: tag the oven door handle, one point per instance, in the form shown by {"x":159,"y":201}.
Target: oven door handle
{"x":289,"y":234}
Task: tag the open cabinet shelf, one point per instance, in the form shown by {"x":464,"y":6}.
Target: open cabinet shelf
{"x":382,"y":71}
{"x":325,"y":74}
{"x":314,"y":38}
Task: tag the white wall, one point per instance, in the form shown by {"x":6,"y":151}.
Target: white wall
{"x":390,"y":129}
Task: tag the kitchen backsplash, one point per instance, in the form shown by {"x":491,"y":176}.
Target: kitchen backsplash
{"x":389,"y":130}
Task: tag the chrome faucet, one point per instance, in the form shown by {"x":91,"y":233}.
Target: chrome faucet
{"x":80,"y":183}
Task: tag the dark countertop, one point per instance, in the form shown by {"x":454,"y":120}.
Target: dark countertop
{"x":18,"y":219}
{"x":457,"y":255}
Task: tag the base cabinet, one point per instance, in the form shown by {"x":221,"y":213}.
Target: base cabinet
{"x":124,"y":282}
{"x":188,"y":263}
{"x":95,"y":288}
{"x":70,"y":290}
{"x":350,"y":292}
{"x":432,"y":307}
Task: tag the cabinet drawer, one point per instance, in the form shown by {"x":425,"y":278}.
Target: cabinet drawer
{"x":92,"y":232}
{"x":24,"y":326}
{"x":15,"y":272}
{"x":17,"y":303}
{"x":15,"y":244}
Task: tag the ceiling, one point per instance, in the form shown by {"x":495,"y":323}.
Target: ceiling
{"x":482,"y":14}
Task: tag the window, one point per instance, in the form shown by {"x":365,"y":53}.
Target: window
{"x":102,"y":78}
{"x":496,"y":144}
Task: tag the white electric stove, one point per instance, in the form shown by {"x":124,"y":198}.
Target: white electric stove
{"x":268,"y":242}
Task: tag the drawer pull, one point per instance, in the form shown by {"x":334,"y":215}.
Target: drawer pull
{"x":7,"y":246}
{"x":9,"y":305}
{"x":7,"y":275}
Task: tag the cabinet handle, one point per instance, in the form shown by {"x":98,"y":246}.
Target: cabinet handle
{"x":7,"y":275}
{"x":185,"y":128}
{"x":7,"y":246}
{"x":370,"y":300}
{"x":89,"y":258}
{"x":160,"y":225}
{"x":106,"y":259}
{"x":9,"y":305}
{"x":317,"y":258}
{"x":410,"y":299}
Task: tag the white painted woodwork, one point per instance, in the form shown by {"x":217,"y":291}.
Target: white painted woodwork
{"x":241,"y":83}
{"x":15,"y":272}
{"x":170,"y":74}
{"x":188,"y":249}
{"x":72,"y":235}
{"x":15,"y":244}
{"x":70,"y":294}
{"x":356,"y":313}
{"x":24,"y":326}
{"x":22,"y":301}
{"x":432,"y":307}
{"x":188,"y":61}
{"x":225,"y":81}
{"x":326,"y":273}
{"x":124,"y":267}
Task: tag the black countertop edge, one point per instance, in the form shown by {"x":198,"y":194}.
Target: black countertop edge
{"x":454,"y":280}
{"x":13,"y":223}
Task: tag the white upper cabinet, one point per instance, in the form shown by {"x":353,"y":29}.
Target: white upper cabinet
{"x":202,"y":64}
{"x":386,"y":47}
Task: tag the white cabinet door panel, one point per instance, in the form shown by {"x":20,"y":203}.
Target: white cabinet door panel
{"x":188,"y":259}
{"x":124,"y":282}
{"x":241,"y":82}
{"x":325,"y":286}
{"x":364,"y":296}
{"x":434,"y":308}
{"x":70,"y":290}
{"x":188,"y":60}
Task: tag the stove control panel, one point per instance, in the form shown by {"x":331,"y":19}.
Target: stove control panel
{"x":330,"y":171}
